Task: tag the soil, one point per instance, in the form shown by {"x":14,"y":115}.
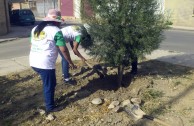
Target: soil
{"x":166,"y":92}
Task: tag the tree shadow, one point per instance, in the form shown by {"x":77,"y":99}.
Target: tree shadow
{"x":106,"y":84}
{"x":18,"y":97}
{"x":179,"y":59}
{"x":162,"y":69}
{"x":110,"y":81}
{"x":31,"y":99}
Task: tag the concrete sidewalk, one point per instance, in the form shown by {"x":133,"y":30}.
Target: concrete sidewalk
{"x":22,"y":63}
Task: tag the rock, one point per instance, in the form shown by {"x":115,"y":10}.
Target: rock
{"x":113,"y":104}
{"x":136,"y":101}
{"x":41,"y":111}
{"x":125,"y":103}
{"x":79,"y":120}
{"x":50,"y":117}
{"x":74,"y":73}
{"x":109,"y":68}
{"x":10,"y":102}
{"x":116,"y":109}
{"x":97,"y":101}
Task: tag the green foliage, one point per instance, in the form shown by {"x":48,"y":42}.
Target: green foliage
{"x":123,"y":27}
{"x":86,"y":40}
{"x":152,"y":94}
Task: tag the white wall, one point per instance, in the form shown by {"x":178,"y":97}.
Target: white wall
{"x":77,"y":4}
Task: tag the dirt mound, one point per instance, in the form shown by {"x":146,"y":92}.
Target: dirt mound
{"x":165,"y":89}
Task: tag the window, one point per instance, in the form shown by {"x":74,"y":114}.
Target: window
{"x":32,"y":4}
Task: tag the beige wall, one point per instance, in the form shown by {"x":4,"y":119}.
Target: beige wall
{"x":20,"y":5}
{"x":16,"y":6}
{"x":181,"y":12}
{"x":4,"y":19}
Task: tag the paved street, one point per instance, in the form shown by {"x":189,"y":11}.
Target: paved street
{"x":20,"y":62}
{"x":178,"y":40}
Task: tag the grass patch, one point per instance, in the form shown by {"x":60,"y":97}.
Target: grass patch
{"x":177,"y":83}
{"x":152,"y":94}
{"x":192,"y":120}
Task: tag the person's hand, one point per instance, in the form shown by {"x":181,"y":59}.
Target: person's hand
{"x":83,"y":60}
{"x":72,"y":66}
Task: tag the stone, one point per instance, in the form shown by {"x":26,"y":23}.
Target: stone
{"x":125,"y":103}
{"x":136,"y":101}
{"x":41,"y":111}
{"x":50,"y":117}
{"x":97,"y":101}
{"x":116,"y":109}
{"x":113,"y":104}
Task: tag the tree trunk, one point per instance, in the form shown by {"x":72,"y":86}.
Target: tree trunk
{"x":120,"y":75}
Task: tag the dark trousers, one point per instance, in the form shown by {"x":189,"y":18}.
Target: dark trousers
{"x":65,"y":66}
{"x":48,"y":77}
{"x":134,"y":63}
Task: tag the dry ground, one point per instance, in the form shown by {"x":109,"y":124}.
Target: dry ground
{"x":166,"y":91}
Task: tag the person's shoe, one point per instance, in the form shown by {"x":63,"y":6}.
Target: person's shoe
{"x":55,"y":109}
{"x":62,"y":76}
{"x":70,"y":82}
{"x":134,"y":72}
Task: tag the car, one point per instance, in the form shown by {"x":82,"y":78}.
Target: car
{"x":22,"y":16}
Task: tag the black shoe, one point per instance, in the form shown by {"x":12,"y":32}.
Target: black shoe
{"x":134,"y":72}
{"x":70,"y":82}
{"x":55,"y":109}
{"x":70,"y":75}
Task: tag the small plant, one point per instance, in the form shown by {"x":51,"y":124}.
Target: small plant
{"x":152,"y":94}
{"x":192,"y":120}
{"x":177,"y":83}
{"x":152,"y":82}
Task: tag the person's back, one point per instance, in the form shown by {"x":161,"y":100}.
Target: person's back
{"x":43,"y":48}
{"x":46,"y":41}
{"x":70,"y":32}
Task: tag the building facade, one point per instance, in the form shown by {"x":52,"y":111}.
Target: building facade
{"x":70,"y":9}
{"x":181,"y":12}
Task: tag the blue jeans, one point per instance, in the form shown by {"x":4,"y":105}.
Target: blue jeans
{"x":65,"y":66}
{"x":48,"y":77}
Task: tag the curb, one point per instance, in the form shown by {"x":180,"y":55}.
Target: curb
{"x":9,"y":39}
{"x":182,"y":28}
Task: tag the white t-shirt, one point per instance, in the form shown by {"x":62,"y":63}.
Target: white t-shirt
{"x":70,"y":32}
{"x":43,"y":53}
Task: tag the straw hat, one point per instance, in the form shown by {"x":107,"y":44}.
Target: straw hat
{"x":54,"y":15}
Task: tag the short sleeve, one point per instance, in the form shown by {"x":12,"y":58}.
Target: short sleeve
{"x":78,"y":38}
{"x":60,"y":41}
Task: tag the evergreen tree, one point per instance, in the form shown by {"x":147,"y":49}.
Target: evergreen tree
{"x":123,"y":29}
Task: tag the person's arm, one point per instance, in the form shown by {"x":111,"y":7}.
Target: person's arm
{"x":65,"y":53}
{"x":63,"y":50}
{"x":75,"y":47}
{"x":76,"y":52}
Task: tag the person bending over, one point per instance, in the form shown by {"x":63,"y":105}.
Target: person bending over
{"x":46,"y":41}
{"x":73,"y":35}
